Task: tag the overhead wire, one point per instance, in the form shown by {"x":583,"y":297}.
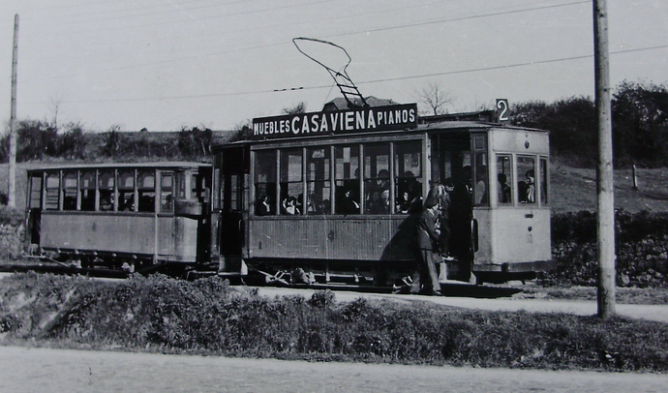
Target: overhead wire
{"x":456,"y":72}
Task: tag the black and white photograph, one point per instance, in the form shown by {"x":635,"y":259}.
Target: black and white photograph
{"x":333,"y":196}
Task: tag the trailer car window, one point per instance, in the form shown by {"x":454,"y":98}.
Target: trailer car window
{"x":70,"y":190}
{"x":35,"y":191}
{"x":106,"y":187}
{"x":88,"y":191}
{"x":146,"y":191}
{"x":126,"y":191}
{"x":167,"y":193}
{"x":52,"y":191}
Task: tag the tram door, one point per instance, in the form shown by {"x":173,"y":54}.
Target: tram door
{"x":34,"y":216}
{"x":232,"y":168}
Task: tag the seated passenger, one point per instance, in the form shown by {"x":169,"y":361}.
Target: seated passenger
{"x":348,"y":205}
{"x":263,"y":208}
{"x":376,"y":204}
{"x":289,"y":206}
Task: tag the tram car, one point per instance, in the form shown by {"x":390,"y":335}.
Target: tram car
{"x":322,"y":198}
{"x":332,"y":197}
{"x":123,"y":216}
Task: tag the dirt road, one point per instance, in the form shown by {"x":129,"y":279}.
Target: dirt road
{"x":658,"y":313}
{"x":24,"y":370}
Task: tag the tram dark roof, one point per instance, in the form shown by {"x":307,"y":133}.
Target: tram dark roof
{"x":124,"y":165}
{"x":441,"y":125}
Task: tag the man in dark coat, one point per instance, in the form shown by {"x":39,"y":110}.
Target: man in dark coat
{"x":425,"y":278}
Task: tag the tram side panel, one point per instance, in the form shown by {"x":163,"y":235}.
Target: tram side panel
{"x":333,"y":238}
{"x":106,"y":233}
{"x":121,"y":235}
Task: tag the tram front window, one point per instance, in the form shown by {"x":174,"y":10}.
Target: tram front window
{"x":505,"y":182}
{"x":526,"y":172}
{"x":543,"y":181}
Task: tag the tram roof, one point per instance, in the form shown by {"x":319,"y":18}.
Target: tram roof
{"x":124,"y":165}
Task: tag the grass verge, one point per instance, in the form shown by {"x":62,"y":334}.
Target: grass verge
{"x":209,"y":317}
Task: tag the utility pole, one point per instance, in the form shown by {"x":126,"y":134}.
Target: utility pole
{"x":12,"y":120}
{"x":604,"y":185}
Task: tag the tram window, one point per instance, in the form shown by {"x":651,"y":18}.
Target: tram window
{"x":526,"y":186}
{"x":543,"y":180}
{"x":347,"y":174}
{"x":265,"y":183}
{"x":318,"y":188}
{"x":292,"y":188}
{"x":146,"y":191}
{"x":88,"y":191}
{"x":377,"y":178}
{"x":408,"y":177}
{"x":481,"y":189}
{"x":70,"y":190}
{"x":126,"y":191}
{"x":106,"y":187}
{"x":35,"y":191}
{"x":505,"y":182}
{"x":52,"y":191}
{"x":167,"y":193}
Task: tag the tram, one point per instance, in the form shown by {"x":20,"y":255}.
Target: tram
{"x":124,"y":216}
{"x":332,"y":197}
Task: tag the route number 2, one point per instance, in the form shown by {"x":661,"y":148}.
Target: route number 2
{"x":502,"y":110}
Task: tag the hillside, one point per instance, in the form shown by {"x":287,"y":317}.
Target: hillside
{"x":572,"y":189}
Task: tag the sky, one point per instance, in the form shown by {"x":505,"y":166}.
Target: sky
{"x":167,"y":64}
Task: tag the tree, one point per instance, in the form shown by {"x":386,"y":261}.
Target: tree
{"x":112,"y":146}
{"x":299,"y":108}
{"x":640,"y":123}
{"x":435,"y":97}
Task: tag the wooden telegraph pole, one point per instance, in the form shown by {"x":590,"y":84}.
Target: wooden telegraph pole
{"x":604,"y":187}
{"x":12,"y":120}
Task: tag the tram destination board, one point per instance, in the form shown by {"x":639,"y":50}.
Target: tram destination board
{"x":380,"y":118}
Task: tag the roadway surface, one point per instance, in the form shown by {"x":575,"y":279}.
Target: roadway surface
{"x":27,"y":370}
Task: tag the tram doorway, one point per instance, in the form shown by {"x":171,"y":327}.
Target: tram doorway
{"x":453,"y":164}
{"x":231,"y":170}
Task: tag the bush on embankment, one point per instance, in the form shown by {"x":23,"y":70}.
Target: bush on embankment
{"x":641,"y":243}
{"x":208,"y":317}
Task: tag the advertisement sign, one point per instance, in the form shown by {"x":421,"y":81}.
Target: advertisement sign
{"x":380,"y":118}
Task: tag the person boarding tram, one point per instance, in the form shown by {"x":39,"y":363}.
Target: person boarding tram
{"x":425,"y":279}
